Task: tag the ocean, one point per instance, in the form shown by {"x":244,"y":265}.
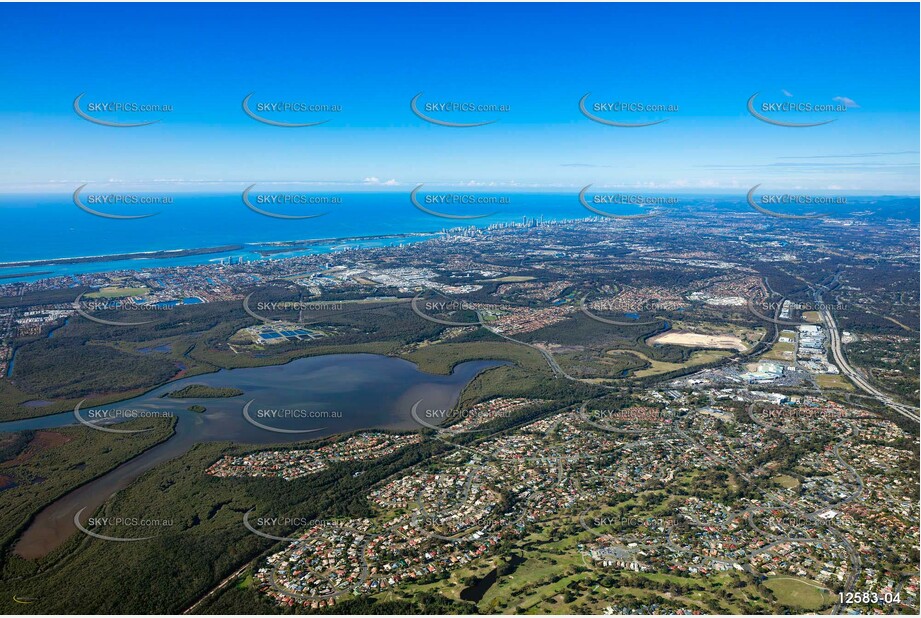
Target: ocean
{"x":41,"y":227}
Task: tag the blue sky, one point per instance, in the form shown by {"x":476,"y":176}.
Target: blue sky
{"x":539,"y":60}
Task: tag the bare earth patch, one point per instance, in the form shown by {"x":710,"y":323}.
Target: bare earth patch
{"x":697,"y":340}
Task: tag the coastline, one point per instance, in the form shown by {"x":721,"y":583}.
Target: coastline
{"x":337,"y":239}
{"x":117,"y":257}
{"x":279,"y":245}
{"x":37,"y":273}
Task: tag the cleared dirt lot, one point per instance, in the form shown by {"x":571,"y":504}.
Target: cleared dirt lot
{"x":697,"y":340}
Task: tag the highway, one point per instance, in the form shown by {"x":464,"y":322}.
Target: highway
{"x":850,"y":372}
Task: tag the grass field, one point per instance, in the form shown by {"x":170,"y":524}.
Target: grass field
{"x":812,"y":317}
{"x":799,"y":593}
{"x":786,"y":481}
{"x":115,"y":292}
{"x":780,"y":351}
{"x":836,"y":381}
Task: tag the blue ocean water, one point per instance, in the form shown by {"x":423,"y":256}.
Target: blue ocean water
{"x":39,"y":227}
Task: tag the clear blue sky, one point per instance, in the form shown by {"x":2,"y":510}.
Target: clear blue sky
{"x":537,"y":59}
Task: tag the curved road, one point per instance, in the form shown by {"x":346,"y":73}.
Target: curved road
{"x":850,"y":372}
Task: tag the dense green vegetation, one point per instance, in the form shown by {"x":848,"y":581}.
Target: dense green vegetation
{"x":72,"y":367}
{"x":54,"y":462}
{"x":203,"y":391}
{"x":106,"y":363}
{"x":206,"y":542}
{"x":44,"y":297}
{"x":12,"y":444}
